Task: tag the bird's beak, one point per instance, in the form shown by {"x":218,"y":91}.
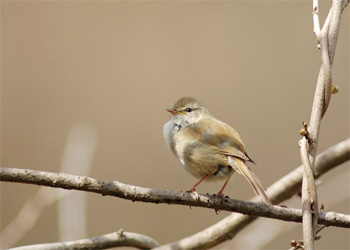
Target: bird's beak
{"x":173,"y":111}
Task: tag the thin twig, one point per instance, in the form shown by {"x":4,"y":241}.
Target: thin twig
{"x":300,"y":243}
{"x":116,"y":239}
{"x":316,"y":17}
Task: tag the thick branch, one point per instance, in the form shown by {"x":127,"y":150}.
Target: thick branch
{"x":116,"y":239}
{"x":283,"y":188}
{"x":60,"y":180}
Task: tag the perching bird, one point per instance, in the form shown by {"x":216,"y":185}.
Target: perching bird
{"x":208,"y":148}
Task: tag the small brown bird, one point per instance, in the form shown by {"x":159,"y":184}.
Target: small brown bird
{"x":208,"y":148}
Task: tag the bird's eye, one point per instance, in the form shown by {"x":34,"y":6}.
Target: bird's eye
{"x":188,"y":110}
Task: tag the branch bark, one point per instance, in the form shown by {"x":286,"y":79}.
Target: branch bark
{"x":327,"y":40}
{"x":134,"y":193}
{"x":116,"y":239}
{"x":283,"y":189}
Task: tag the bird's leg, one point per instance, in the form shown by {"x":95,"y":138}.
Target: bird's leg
{"x":193,"y":189}
{"x":221,"y":192}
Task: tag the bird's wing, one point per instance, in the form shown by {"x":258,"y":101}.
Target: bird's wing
{"x":218,"y":142}
{"x":223,"y":138}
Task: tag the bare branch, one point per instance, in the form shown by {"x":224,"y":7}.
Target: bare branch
{"x":258,"y":238}
{"x":327,"y":39}
{"x":316,"y":17}
{"x":309,"y":195}
{"x":283,"y":189}
{"x":334,"y":24}
{"x":125,"y":191}
{"x":116,"y":239}
{"x":28,"y":216}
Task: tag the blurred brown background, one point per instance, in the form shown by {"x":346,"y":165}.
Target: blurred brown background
{"x":117,"y":66}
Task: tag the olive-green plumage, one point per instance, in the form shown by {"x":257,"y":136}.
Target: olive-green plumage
{"x":208,"y":148}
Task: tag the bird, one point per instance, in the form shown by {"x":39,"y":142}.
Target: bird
{"x":209,"y":149}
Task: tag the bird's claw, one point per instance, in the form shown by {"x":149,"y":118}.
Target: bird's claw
{"x":195,"y":193}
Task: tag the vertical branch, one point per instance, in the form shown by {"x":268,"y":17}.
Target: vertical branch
{"x":334,"y":24}
{"x":315,"y":16}
{"x":326,"y":42}
{"x":309,"y":198}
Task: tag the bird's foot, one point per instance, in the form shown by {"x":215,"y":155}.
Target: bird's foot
{"x":195,"y":193}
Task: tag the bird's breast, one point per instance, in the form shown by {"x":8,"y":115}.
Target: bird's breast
{"x":181,"y":143}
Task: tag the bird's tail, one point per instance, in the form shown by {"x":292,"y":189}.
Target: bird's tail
{"x":243,"y":169}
